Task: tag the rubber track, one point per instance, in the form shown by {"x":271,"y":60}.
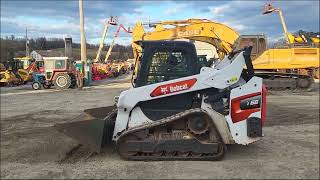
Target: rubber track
{"x":279,"y":76}
{"x":162,"y":121}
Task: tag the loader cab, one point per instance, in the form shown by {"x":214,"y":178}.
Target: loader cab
{"x":22,"y":63}
{"x":166,"y":60}
{"x":258,"y":43}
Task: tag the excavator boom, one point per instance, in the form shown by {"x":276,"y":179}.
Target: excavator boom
{"x":219,"y":35}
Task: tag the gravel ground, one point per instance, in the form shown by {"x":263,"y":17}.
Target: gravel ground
{"x":31,"y":148}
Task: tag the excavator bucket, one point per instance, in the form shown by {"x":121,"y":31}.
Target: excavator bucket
{"x":90,"y":128}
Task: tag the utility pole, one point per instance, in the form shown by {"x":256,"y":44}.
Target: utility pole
{"x":83,"y":41}
{"x":27,"y":43}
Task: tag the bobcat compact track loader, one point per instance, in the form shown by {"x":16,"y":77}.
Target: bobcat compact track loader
{"x":178,"y":109}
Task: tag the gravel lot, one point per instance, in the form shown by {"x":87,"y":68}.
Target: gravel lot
{"x":31,"y":148}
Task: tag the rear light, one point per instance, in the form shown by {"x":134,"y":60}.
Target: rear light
{"x":264,"y":104}
{"x":242,"y":107}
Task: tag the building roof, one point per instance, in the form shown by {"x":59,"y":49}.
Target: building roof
{"x":54,"y":58}
{"x":50,"y":53}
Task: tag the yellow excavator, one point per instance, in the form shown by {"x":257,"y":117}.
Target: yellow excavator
{"x":287,"y":67}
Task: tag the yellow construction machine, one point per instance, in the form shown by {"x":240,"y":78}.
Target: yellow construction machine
{"x":287,"y":67}
{"x":116,"y":68}
{"x":127,"y":30}
{"x":22,"y":66}
{"x":112,"y":21}
{"x":302,"y":38}
{"x":119,"y":68}
{"x":7,"y":77}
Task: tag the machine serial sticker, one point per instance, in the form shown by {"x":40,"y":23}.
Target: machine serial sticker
{"x":173,"y":87}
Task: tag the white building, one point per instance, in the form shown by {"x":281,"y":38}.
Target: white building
{"x":39,"y":54}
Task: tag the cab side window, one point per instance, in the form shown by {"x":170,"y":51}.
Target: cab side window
{"x":59,"y":64}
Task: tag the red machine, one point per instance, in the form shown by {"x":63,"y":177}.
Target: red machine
{"x":100,"y":71}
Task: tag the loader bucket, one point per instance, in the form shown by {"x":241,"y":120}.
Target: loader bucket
{"x":89,"y":128}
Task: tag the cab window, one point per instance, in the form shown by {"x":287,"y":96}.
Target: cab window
{"x":59,"y":64}
{"x":168,"y":65}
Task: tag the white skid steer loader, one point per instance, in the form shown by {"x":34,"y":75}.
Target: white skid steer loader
{"x":178,"y":109}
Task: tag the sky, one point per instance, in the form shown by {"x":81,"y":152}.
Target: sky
{"x":56,"y":18}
